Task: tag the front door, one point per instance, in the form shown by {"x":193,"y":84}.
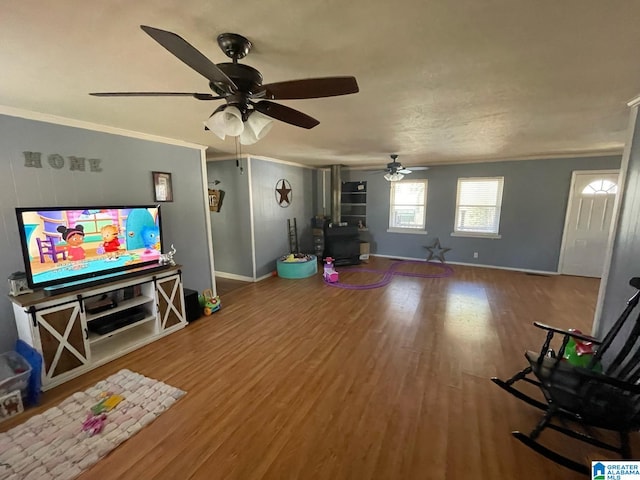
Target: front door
{"x":588,"y":221}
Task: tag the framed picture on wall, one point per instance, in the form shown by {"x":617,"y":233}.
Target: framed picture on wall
{"x":215,"y":200}
{"x":162,"y":188}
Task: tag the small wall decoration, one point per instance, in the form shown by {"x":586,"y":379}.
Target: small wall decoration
{"x":215,"y":200}
{"x":162,"y":188}
{"x":57,"y":161}
{"x":436,"y":251}
{"x":283,"y":193}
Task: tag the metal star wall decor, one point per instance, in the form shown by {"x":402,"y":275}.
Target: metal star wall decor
{"x":436,"y":251}
{"x":283,"y":193}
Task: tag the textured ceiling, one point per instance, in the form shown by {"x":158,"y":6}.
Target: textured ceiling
{"x":440,"y":80}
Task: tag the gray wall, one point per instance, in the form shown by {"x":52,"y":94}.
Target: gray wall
{"x":533,"y":212}
{"x":231,"y":226}
{"x":626,"y":248}
{"x":127,"y":164}
{"x":270,"y":220}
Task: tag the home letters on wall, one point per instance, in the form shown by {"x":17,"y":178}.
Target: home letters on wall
{"x":57,"y":161}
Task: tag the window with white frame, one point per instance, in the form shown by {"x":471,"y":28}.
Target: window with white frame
{"x":478,"y":205}
{"x":408,"y":206}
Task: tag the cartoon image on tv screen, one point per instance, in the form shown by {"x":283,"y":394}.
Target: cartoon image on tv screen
{"x":67,"y":243}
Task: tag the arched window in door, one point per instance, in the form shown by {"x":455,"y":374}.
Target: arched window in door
{"x":600,"y":187}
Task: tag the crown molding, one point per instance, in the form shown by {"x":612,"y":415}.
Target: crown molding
{"x":550,"y":156}
{"x":257,"y":157}
{"x":96,"y":127}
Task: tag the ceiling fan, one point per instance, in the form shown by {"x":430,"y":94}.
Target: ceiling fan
{"x":241,"y":85}
{"x":395,"y":170}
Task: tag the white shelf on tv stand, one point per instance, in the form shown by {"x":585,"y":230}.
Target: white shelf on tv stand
{"x":123,"y":305}
{"x":57,"y":325}
{"x":126,"y":340}
{"x":95,"y":338}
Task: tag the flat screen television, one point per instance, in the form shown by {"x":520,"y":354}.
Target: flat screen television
{"x":66,"y":245}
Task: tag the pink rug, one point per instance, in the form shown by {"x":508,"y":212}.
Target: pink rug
{"x":52,"y":445}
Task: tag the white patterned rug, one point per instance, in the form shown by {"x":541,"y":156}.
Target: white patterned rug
{"x":52,"y":445}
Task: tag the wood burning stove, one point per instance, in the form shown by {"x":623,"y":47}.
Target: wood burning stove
{"x":342,"y":243}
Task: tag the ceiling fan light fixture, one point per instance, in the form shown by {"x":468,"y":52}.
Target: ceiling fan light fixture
{"x":256,"y":127}
{"x":393,"y":177}
{"x":239,"y":84}
{"x":226,"y":121}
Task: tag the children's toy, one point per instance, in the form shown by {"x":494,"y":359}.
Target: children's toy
{"x":98,"y":415}
{"x":94,"y":424}
{"x":297,"y":258}
{"x":579,"y":352}
{"x":330,"y":275}
{"x":209,"y":302}
{"x":107,"y":404}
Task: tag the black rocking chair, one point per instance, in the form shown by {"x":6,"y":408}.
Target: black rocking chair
{"x":609,"y":400}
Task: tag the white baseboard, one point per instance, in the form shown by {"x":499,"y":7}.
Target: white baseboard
{"x":264,"y":277}
{"x":525,"y":270}
{"x":233,"y":276}
{"x":397,"y":256}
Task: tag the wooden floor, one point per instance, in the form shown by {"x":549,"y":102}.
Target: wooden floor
{"x":294,"y":379}
{"x":227,"y":285}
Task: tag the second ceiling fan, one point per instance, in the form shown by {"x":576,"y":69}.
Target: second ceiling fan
{"x":241,"y":85}
{"x":395,"y":170}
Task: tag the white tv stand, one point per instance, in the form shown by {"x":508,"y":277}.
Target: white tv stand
{"x":63,"y":327}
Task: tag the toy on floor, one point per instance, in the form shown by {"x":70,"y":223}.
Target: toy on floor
{"x":108,"y":403}
{"x":208,"y":302}
{"x":330,"y":275}
{"x":297,"y":257}
{"x":94,"y":424}
{"x":97,"y":416}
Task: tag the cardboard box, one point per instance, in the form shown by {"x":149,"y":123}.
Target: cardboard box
{"x":364,"y":251}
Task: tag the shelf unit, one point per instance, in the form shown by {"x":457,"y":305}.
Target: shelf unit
{"x":317,"y":236}
{"x":95,"y":338}
{"x":124,"y":341}
{"x":353,"y":204}
{"x":121,"y":306}
{"x":59,"y":326}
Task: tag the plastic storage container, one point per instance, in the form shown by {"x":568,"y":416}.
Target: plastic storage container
{"x":33,"y":357}
{"x":14,"y":373}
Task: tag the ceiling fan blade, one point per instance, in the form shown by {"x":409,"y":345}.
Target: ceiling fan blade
{"x":206,"y":96}
{"x":404,"y":171}
{"x":415,"y":169}
{"x":285,"y":114}
{"x":199,"y":96}
{"x":309,"y":88}
{"x":186,"y":52}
